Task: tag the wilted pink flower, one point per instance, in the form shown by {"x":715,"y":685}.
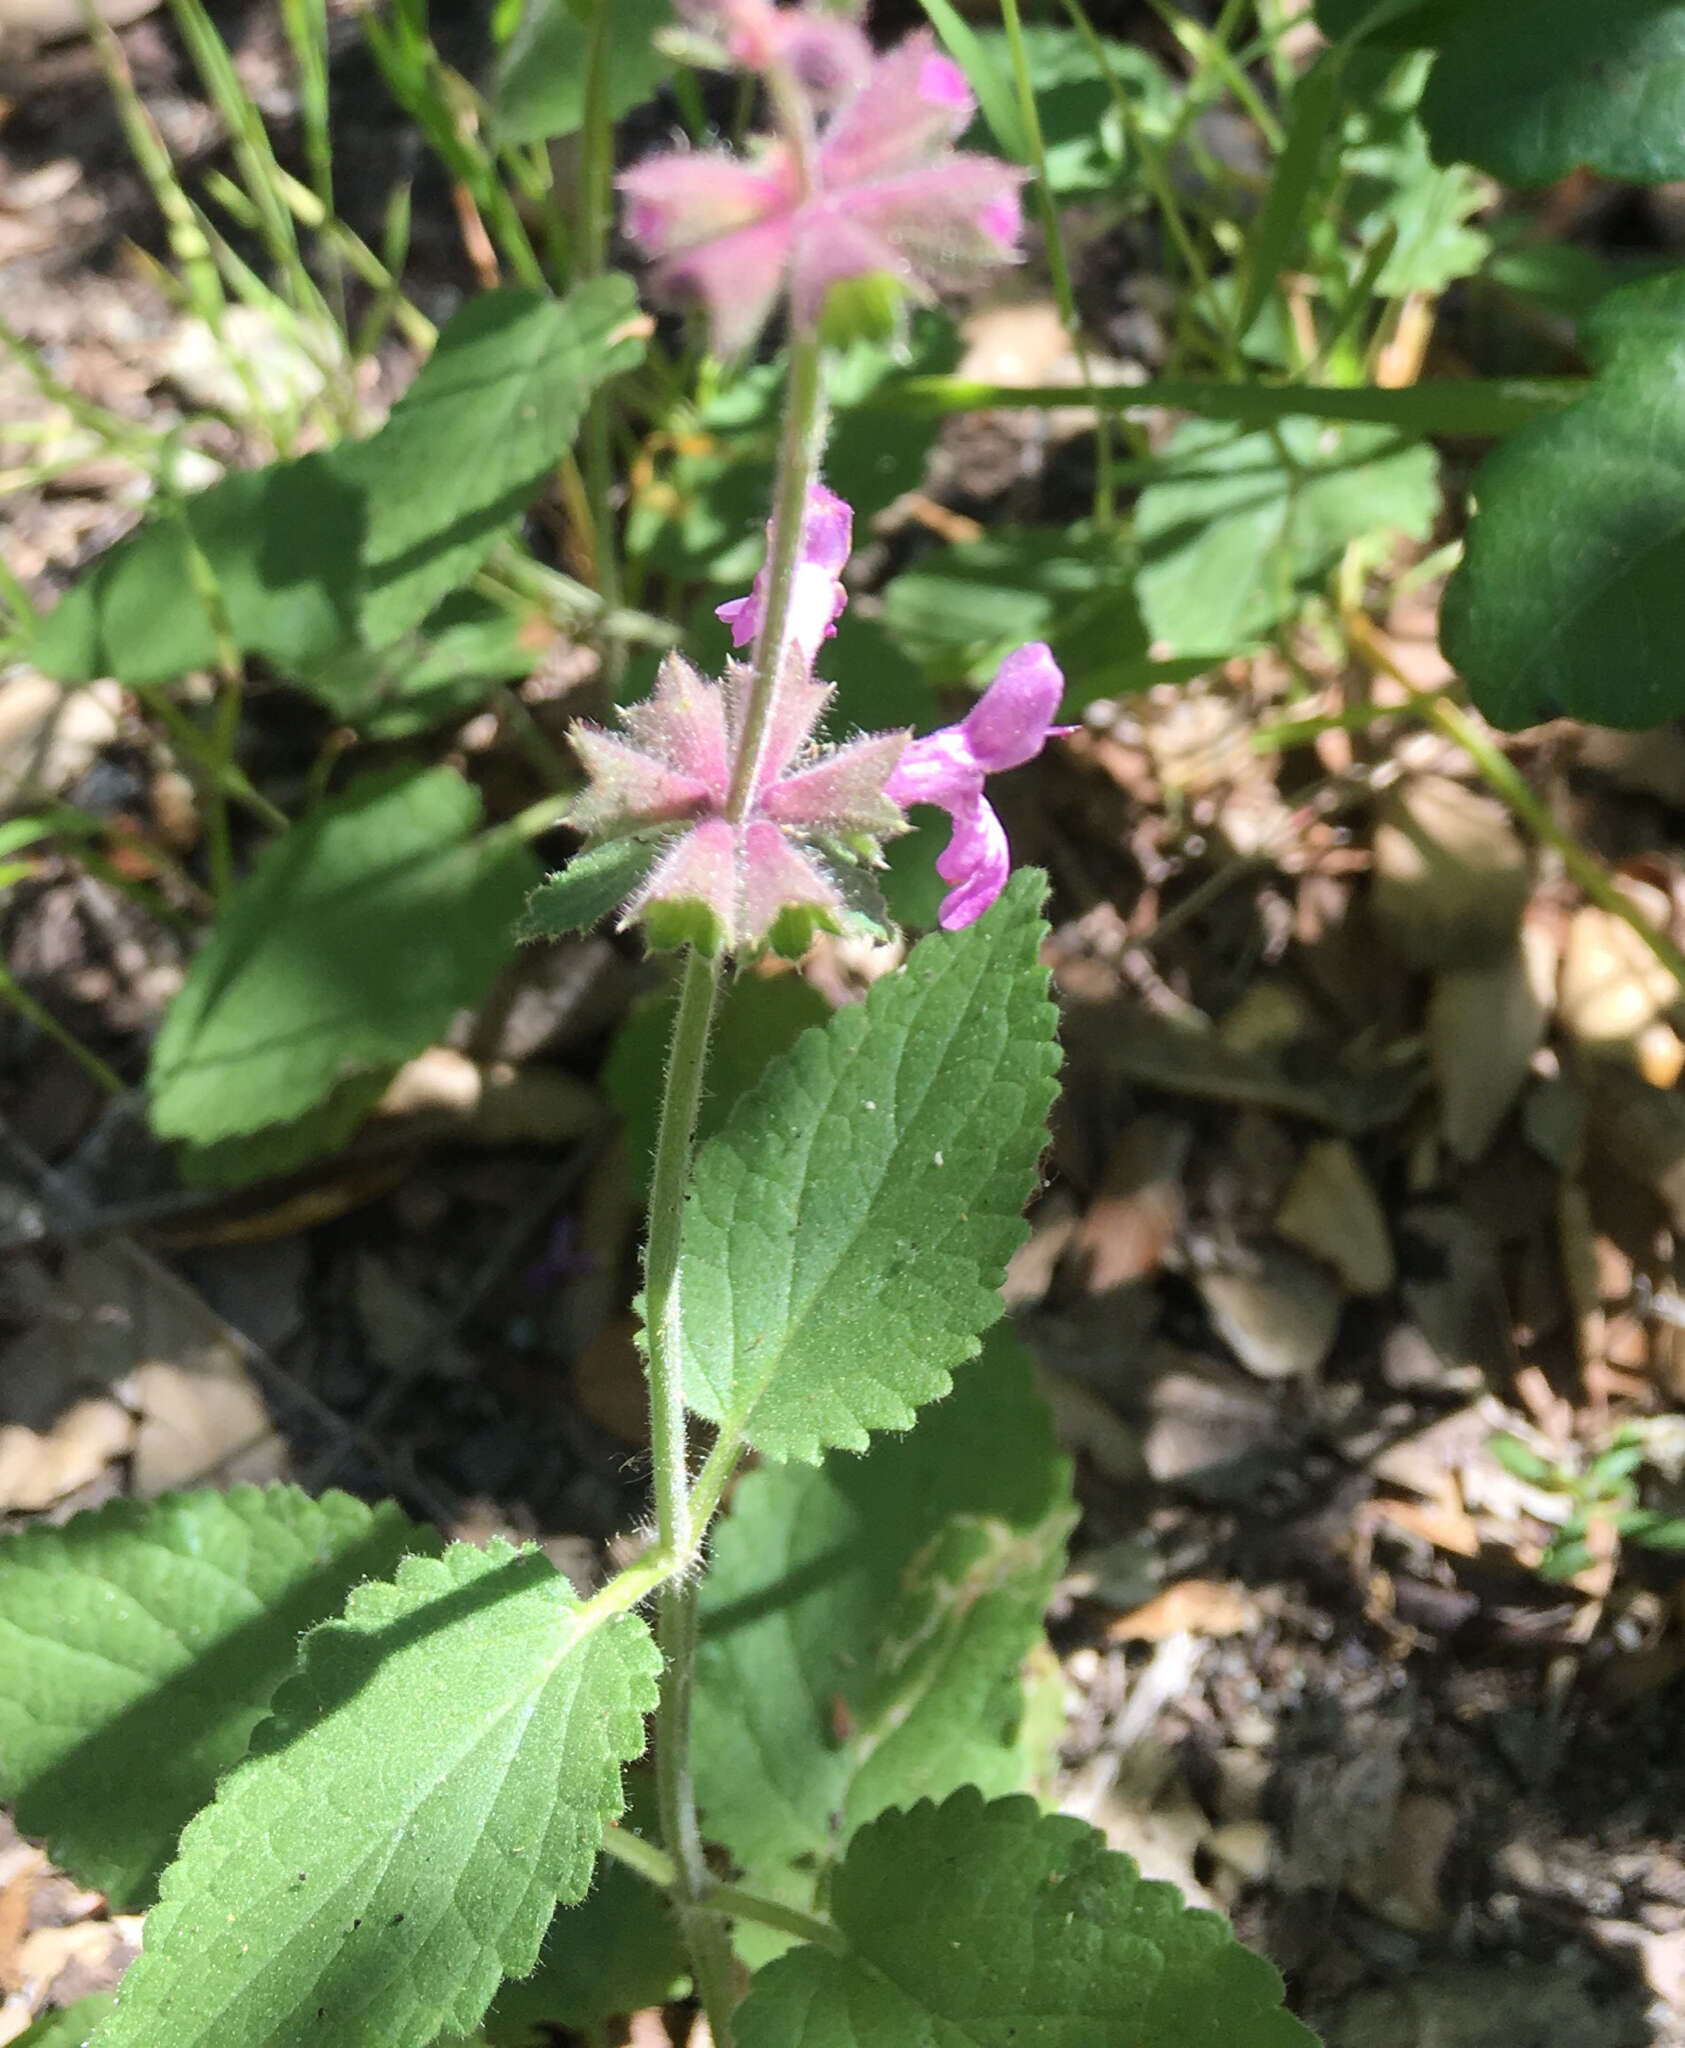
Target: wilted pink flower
{"x":885,"y":193}
{"x":817,"y":597}
{"x":674,"y":768}
{"x":1007,"y":726}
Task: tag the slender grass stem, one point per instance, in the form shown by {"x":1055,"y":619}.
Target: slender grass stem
{"x":1058,"y":263}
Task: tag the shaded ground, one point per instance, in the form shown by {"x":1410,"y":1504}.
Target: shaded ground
{"x":1368,"y":1153}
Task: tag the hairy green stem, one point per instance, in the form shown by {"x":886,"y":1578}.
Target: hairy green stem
{"x":677,"y":1535}
{"x":669,"y":1183}
{"x":656,"y":1867}
{"x":799,"y":451}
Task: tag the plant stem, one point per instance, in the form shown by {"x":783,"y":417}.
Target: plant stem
{"x":1105,"y":497}
{"x":705,"y":1934}
{"x":1506,"y":782}
{"x":799,"y":450}
{"x":656,"y":1867}
{"x":669,"y":1182}
{"x":595,"y":183}
{"x":678,"y":1537}
{"x":49,"y":1026}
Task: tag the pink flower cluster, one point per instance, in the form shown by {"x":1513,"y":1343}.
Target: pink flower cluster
{"x":876,"y":189}
{"x":673,"y":768}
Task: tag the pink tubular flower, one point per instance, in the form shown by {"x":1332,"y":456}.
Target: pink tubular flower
{"x":817,"y":597}
{"x":885,"y":192}
{"x":1007,"y":726}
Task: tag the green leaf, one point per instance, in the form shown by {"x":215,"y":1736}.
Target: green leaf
{"x":1252,"y":523}
{"x":847,"y":1231}
{"x":353,"y":942}
{"x":436,"y":1777}
{"x":140,"y":1645}
{"x":1531,"y":93}
{"x":1643,"y":320}
{"x":68,"y":2028}
{"x":355,"y":546}
{"x":283,"y":1148}
{"x":440,"y":672}
{"x":616,"y":1952}
{"x":760,"y":1017}
{"x":539,"y":91}
{"x":1393,"y":23}
{"x":591,"y":885}
{"x":1395,"y":188}
{"x":1571,"y":594}
{"x":995,"y":1926}
{"x":865,"y":1624}
{"x":964,"y":607}
{"x":1087,"y":149}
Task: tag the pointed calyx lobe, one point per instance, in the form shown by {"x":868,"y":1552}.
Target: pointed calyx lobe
{"x":724,"y":875}
{"x":871,"y":185}
{"x":674,"y":768}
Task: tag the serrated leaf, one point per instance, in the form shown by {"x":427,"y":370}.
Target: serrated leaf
{"x":540,"y":84}
{"x":357,"y":544}
{"x":847,"y":1231}
{"x":140,"y":1645}
{"x":591,"y":885}
{"x":438,"y":672}
{"x":436,"y":1777}
{"x":1571,"y":594}
{"x":759,"y":1017}
{"x":616,"y":1952}
{"x":865,"y":1624}
{"x":1532,"y":93}
{"x":1234,"y":541}
{"x":973,"y":1925}
{"x":353,"y":942}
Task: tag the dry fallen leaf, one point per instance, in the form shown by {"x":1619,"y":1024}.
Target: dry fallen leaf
{"x":1612,"y":988}
{"x":1278,"y":1315}
{"x":1484,"y":1026}
{"x":1193,"y":1607}
{"x":1451,"y":877}
{"x":1331,"y":1211}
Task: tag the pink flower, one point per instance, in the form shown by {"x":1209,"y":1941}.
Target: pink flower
{"x":674,"y":768}
{"x":1007,"y":726}
{"x":817,"y":597}
{"x":885,"y":193}
{"x":824,"y":53}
